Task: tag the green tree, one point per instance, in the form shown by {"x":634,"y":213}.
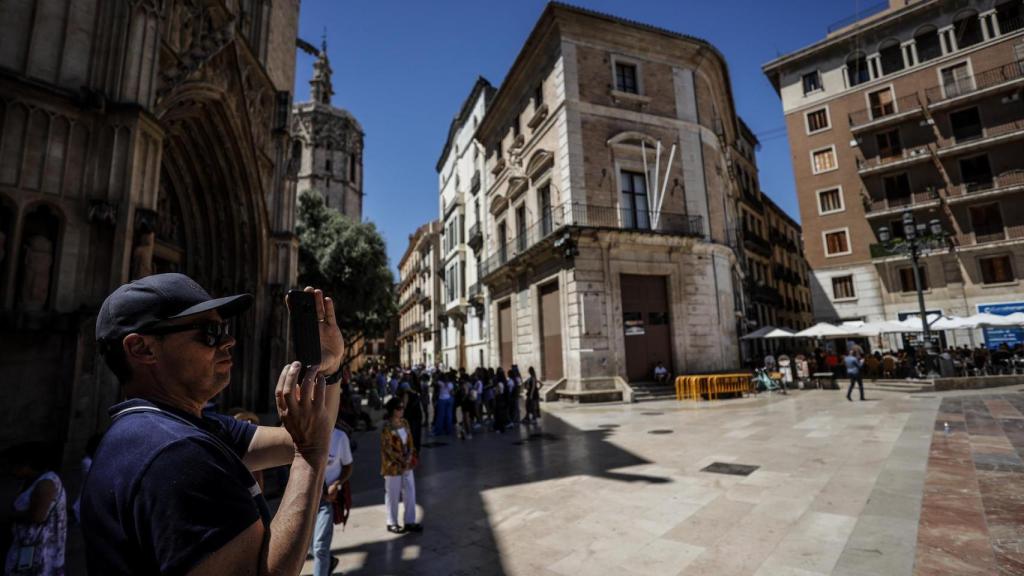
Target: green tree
{"x":349,"y":261}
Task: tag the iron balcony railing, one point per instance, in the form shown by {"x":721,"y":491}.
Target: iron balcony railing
{"x":476,"y":291}
{"x":984,"y":132}
{"x":976,"y":82}
{"x":581,"y":215}
{"x":474,"y":183}
{"x":912,"y":200}
{"x":902,"y":105}
{"x":1010,"y":179}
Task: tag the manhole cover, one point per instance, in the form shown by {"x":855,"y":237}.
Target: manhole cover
{"x":651,"y":413}
{"x":727,"y":468}
{"x":608,"y":426}
{"x":660,"y":431}
{"x":433,"y":444}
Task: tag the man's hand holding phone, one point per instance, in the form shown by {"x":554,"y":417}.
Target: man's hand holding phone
{"x":308,"y":408}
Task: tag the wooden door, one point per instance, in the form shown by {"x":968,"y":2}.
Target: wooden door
{"x":505,"y":334}
{"x":646,"y":325}
{"x":550,"y":333}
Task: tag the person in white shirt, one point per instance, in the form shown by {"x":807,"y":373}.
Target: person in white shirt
{"x":336,"y":474}
{"x":660,"y":373}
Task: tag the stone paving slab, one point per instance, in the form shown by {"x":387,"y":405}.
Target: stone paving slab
{"x":839,"y":489}
{"x":972,"y":515}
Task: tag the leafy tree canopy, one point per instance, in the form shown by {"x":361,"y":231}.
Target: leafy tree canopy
{"x":349,"y":261}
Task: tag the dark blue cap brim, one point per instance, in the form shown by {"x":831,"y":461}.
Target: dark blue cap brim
{"x":228,"y":306}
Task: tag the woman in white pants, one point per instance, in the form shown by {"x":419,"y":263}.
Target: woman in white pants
{"x":398,"y":458}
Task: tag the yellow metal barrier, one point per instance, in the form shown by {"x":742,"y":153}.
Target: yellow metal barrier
{"x":713,"y":385}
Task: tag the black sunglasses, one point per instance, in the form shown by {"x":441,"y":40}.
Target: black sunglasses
{"x":213,"y":333}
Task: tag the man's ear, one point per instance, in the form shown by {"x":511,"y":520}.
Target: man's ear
{"x":137,"y":349}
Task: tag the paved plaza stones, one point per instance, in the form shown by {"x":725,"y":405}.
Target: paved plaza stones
{"x":838,"y":490}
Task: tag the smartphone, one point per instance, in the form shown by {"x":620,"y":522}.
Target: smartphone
{"x":305,"y":327}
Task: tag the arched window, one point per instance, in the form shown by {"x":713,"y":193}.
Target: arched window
{"x":37,"y":263}
{"x":7,"y":216}
{"x":967,"y":29}
{"x":926,"y":41}
{"x":857,"y":69}
{"x":1010,"y":15}
{"x":891,"y":55}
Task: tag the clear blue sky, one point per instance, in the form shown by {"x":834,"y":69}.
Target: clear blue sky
{"x":404,"y":67}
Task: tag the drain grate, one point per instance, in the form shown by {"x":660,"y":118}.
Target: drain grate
{"x":651,"y":413}
{"x":729,"y":468}
{"x":608,"y":426}
{"x":664,"y":431}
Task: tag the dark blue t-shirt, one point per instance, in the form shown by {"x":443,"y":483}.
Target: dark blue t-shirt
{"x":166,"y":490}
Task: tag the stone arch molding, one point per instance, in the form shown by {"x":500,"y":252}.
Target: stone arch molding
{"x":632,"y":138}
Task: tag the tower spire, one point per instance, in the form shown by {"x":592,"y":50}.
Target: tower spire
{"x":321,"y":88}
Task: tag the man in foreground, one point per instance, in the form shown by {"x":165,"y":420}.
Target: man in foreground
{"x":171,"y":490}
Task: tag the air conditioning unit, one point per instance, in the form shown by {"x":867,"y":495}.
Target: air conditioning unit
{"x":853,"y":143}
{"x":1015,"y":97}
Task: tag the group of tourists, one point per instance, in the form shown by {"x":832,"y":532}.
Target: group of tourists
{"x":449,"y":402}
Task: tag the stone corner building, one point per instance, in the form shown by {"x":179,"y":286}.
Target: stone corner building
{"x":137,"y":138}
{"x":589,"y":280}
{"x":329,"y":143}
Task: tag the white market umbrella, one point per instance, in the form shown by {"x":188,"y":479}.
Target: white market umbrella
{"x":780,"y":333}
{"x":987,"y":320}
{"x":1018,"y":318}
{"x":822,"y":330}
{"x":759,"y":333}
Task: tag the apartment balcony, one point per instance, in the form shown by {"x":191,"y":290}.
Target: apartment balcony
{"x":1012,"y":234}
{"x":752,"y":199}
{"x":589,"y":216}
{"x":476,"y":237}
{"x":906,"y":157}
{"x":889,"y":206}
{"x":476,"y":292}
{"x":474,"y":183}
{"x":764,"y":294}
{"x":987,"y":137}
{"x":1008,"y":182}
{"x":411,"y":330}
{"x":973,"y":87}
{"x":755,"y":243}
{"x":872,"y":118}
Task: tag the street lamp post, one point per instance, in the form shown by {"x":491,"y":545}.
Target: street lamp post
{"x":917,"y":238}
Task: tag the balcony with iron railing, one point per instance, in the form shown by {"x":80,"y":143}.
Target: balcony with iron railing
{"x":985,"y":137}
{"x":928,"y":198}
{"x":476,"y":292}
{"x":973,"y":86}
{"x":901,"y":159}
{"x":1008,"y":233}
{"x":581,"y":215}
{"x":753,"y":242}
{"x":1007,"y":182}
{"x":476,"y":237}
{"x":474,"y":183}
{"x":887,"y":114}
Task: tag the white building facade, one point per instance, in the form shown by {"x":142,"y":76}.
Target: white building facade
{"x":461,"y":181}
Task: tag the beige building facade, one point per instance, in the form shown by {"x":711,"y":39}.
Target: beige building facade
{"x":918,"y":108}
{"x":592,"y":279}
{"x":136,"y":138}
{"x":776,"y":287}
{"x":419,"y":290}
